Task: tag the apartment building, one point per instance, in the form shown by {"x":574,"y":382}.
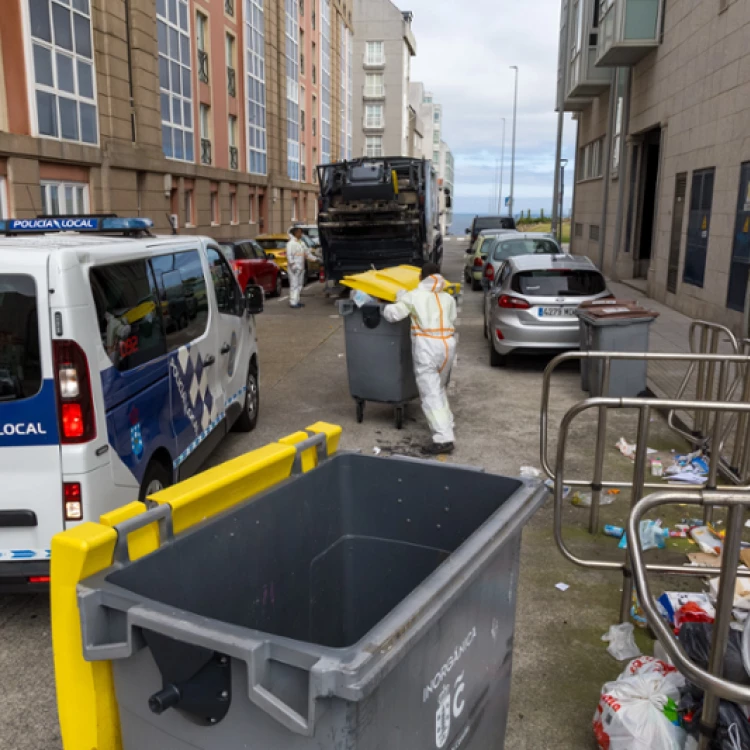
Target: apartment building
{"x":383,"y":47}
{"x":194,"y":112}
{"x":661,"y":94}
{"x":446,"y":170}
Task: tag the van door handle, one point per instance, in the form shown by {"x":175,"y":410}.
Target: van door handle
{"x":209,"y":360}
{"x":225,"y":349}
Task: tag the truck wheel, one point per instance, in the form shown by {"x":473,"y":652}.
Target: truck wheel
{"x":279,"y":286}
{"x":249,"y":418}
{"x":399,"y":417}
{"x":360,"y":411}
{"x":156,"y":478}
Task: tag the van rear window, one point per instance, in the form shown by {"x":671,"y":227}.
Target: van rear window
{"x":126,"y":308}
{"x":559,"y":283}
{"x":20,"y":363}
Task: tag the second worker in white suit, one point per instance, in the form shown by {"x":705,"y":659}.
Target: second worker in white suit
{"x":297,"y":254}
{"x":433,"y":335}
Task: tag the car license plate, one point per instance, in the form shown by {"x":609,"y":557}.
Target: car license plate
{"x":557,"y":312}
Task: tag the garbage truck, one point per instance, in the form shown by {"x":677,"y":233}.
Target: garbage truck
{"x":378,"y":213}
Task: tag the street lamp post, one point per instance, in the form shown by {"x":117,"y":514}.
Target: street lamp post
{"x":502,"y":170}
{"x":560,"y":214}
{"x":513,"y":158}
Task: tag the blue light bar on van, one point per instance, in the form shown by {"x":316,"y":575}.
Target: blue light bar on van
{"x":74,"y":224}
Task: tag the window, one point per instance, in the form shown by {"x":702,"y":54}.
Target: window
{"x":228,"y":297}
{"x":255,"y":54}
{"x":251,"y":208}
{"x":230,"y":50}
{"x":342,"y":89}
{"x":374,"y":53}
{"x":175,"y":80}
{"x":590,"y":161}
{"x":189,"y":208}
{"x":562,"y":283}
{"x":325,"y":81}
{"x":3,"y":199}
{"x":130,"y":316}
{"x":594,"y":232}
{"x":374,"y":116}
{"x":292,"y":90}
{"x":622,"y":78}
{"x":233,"y":217}
{"x":229,"y":7}
{"x":295,"y":210}
{"x":579,"y":230}
{"x":699,"y":226}
{"x":182,"y":292}
{"x":233,"y":151}
{"x":349,"y":94}
{"x":205,"y":126}
{"x":202,"y":39}
{"x":64,"y":74}
{"x":64,"y":198}
{"x":436,"y":157}
{"x":505,"y":249}
{"x":215,"y":217}
{"x":20,"y":361}
{"x":436,"y":116}
{"x":374,"y":145}
{"x":302,"y":7}
{"x":374,"y":85}
{"x":231,"y":65}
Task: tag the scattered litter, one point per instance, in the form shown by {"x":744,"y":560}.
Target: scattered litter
{"x":550,"y":485}
{"x":636,"y":612}
{"x":361,"y":298}
{"x":707,"y":540}
{"x":747,"y":524}
{"x":621,"y":642}
{"x":687,"y":477}
{"x":657,"y":468}
{"x":702,"y":560}
{"x":615,"y":531}
{"x":613,"y":492}
{"x":679,"y":607}
{"x":639,"y":709}
{"x":584,"y":499}
{"x":688,"y":469}
{"x":652,"y":536}
{"x":530,"y":472}
{"x":562,"y":586}
{"x":741,"y":592}
{"x":627,"y":449}
{"x":377,"y":451}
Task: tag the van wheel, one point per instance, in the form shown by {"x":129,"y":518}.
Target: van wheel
{"x":156,"y":478}
{"x":279,"y":286}
{"x":496,"y":359}
{"x":249,"y":418}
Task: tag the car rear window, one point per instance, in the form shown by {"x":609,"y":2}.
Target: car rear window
{"x":504,"y":249}
{"x":234,"y":252}
{"x":494,"y":222}
{"x":559,"y":283}
{"x":20,"y":363}
{"x":272,"y":244}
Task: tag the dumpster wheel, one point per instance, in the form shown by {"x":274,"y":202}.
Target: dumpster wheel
{"x":399,"y":416}
{"x":360,"y":411}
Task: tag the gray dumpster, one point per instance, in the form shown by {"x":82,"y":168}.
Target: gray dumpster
{"x":367,"y":604}
{"x":378,"y":358}
{"x":615,"y":327}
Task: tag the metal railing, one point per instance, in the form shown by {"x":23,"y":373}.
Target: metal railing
{"x":229,"y":7}
{"x":202,"y":66}
{"x":205,"y":151}
{"x":234,"y":158}
{"x":231,"y":81}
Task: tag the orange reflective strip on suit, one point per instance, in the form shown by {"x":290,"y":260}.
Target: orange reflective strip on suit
{"x":445,"y":341}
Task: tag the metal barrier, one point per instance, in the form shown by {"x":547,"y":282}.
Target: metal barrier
{"x":711,"y":681}
{"x":598,"y":482}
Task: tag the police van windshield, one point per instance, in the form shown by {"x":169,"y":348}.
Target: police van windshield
{"x":20,"y":364}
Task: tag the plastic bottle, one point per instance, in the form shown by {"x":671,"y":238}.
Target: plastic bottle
{"x":615,"y":531}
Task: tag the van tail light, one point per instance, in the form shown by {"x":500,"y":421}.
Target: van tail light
{"x":322,"y":276}
{"x":478,"y":262}
{"x":236,"y":267}
{"x":38,"y":579}
{"x":512,"y":303}
{"x":75,"y":404}
{"x":499,"y":334}
{"x":489,"y":272}
{"x":72,"y":501}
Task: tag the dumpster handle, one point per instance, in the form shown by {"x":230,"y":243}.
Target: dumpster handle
{"x":317,"y":440}
{"x":160,"y":513}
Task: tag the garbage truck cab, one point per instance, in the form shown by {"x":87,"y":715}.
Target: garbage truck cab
{"x":125,"y":358}
{"x":378,"y":213}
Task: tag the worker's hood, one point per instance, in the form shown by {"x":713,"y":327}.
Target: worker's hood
{"x":434,"y":283}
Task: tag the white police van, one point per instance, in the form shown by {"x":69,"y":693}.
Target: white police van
{"x":124,"y":359}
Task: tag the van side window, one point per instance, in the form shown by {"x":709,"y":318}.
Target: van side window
{"x":20,"y":364}
{"x":228,"y":295}
{"x":127,"y":312}
{"x":182,"y":292}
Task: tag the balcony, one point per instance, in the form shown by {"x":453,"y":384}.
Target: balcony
{"x":231,"y":82}
{"x":234,"y":156}
{"x":229,"y":7}
{"x":584,"y":79}
{"x":205,"y":151}
{"x":374,"y":92}
{"x":628,"y":31}
{"x":202,"y":66}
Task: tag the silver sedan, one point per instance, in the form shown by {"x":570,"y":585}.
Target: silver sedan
{"x":533,"y":300}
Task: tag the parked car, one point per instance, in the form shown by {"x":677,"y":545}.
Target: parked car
{"x":506,"y":246}
{"x":275,"y":246}
{"x":489,"y":222}
{"x":311,"y":232}
{"x":477,"y":254}
{"x":252,"y":265}
{"x":533,"y":302}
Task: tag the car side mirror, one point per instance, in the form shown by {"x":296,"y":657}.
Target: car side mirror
{"x":467,"y":231}
{"x":448,"y":201}
{"x":254,"y":299}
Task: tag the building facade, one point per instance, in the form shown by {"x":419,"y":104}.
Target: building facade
{"x":383,"y":47}
{"x":447,"y":175}
{"x":195,"y":113}
{"x":661,"y":94}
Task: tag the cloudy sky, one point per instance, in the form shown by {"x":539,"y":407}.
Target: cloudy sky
{"x":464,"y":50}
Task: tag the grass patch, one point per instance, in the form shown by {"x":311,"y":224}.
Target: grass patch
{"x":546,"y":226}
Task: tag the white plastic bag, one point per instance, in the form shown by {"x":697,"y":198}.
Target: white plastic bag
{"x":621,"y":642}
{"x":631,"y":711}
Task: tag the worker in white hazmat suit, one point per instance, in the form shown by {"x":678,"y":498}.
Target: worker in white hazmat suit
{"x":297,"y":254}
{"x":433,"y":335}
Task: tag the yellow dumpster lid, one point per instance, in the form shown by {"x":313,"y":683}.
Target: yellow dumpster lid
{"x":386,"y":283}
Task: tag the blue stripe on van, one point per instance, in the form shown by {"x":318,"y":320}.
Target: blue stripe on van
{"x":30,"y":421}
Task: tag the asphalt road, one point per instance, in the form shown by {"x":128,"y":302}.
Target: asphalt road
{"x":559,"y":660}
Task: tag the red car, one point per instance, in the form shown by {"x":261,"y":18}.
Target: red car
{"x":252,"y":265}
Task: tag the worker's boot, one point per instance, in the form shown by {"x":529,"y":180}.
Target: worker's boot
{"x":438,"y":449}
